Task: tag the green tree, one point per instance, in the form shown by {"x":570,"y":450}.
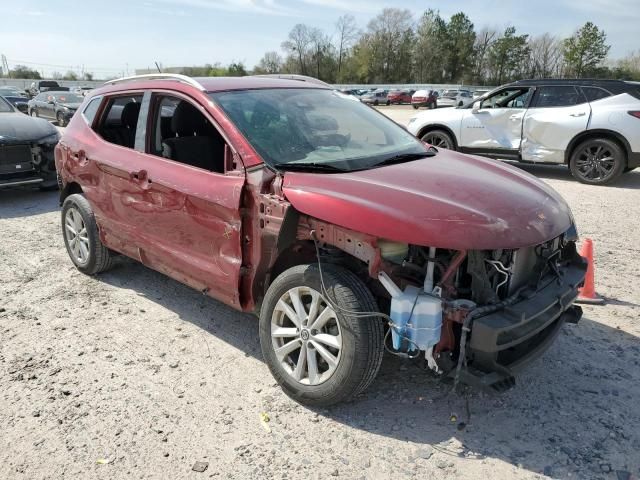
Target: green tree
{"x":20,"y":71}
{"x":236,"y":69}
{"x":460,"y":39}
{"x":508,"y":56}
{"x":429,"y":48}
{"x":585,"y":50}
{"x":70,"y":75}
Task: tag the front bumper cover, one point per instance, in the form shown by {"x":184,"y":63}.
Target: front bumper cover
{"x":503,"y":342}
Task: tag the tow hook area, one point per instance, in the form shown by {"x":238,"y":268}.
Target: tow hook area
{"x":573,"y":314}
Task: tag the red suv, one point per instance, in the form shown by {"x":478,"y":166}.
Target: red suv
{"x":342,"y":231}
{"x":399,"y":96}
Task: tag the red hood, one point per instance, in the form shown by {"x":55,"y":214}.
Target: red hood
{"x":448,"y":201}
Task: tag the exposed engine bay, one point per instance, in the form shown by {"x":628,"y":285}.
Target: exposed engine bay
{"x":437,"y":295}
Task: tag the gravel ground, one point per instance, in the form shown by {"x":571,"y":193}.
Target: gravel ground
{"x":130,"y":374}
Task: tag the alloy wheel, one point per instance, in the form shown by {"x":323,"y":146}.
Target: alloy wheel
{"x":306,"y":336}
{"x":595,"y":162}
{"x":437,"y":139}
{"x":77,"y":237}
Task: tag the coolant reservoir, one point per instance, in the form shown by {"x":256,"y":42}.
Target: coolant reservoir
{"x":417,"y":317}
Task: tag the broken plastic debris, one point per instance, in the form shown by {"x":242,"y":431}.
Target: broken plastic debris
{"x":103,"y":461}
{"x":264,"y":421}
{"x":200,"y":466}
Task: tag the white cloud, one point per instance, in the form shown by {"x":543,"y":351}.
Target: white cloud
{"x":350,"y":6}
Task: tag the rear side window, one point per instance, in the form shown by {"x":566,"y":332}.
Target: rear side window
{"x":558,"y":96}
{"x":89,"y":113}
{"x":120,"y":120}
{"x":595,"y":93}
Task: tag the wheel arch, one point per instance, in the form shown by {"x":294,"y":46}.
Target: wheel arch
{"x":438,"y":126}
{"x":69,"y":189}
{"x":597,"y":133}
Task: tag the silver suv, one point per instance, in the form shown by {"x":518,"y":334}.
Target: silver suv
{"x":593,"y":126}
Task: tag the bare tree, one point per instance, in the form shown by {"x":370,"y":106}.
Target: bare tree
{"x":271,"y":62}
{"x":545,"y":59}
{"x":347,"y":33}
{"x":484,"y":40}
{"x":298,"y":45}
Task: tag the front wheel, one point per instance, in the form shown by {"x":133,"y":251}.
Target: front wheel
{"x":415,"y":107}
{"x":320,"y":355}
{"x":439,"y":139}
{"x":598,"y":161}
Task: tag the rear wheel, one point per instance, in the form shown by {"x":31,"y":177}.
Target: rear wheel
{"x":439,"y":139}
{"x":415,"y":107}
{"x":376,"y":103}
{"x":319,"y":355}
{"x":34,"y":112}
{"x":598,"y":161}
{"x":81,"y":237}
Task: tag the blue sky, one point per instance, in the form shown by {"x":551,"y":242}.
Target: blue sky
{"x":110,"y":37}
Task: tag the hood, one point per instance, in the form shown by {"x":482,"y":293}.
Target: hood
{"x":17,"y":127}
{"x":450,"y":200}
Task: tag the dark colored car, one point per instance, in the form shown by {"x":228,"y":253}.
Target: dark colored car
{"x":424,"y":98}
{"x":55,"y":105}
{"x":336,"y":226}
{"x":21,"y":103}
{"x":26,"y":149}
{"x":400,"y":96}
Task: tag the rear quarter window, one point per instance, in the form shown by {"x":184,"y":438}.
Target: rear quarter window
{"x":595,"y":93}
{"x":89,"y":112}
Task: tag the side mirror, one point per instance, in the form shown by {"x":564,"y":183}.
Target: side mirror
{"x":476,"y":107}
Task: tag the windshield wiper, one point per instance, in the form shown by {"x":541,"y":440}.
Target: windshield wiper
{"x":405,"y":157}
{"x":308,"y":166}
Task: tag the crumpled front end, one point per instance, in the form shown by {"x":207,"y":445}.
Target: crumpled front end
{"x":488,"y":312}
{"x":28,"y":163}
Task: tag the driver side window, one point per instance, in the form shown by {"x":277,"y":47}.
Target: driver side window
{"x":508,"y":98}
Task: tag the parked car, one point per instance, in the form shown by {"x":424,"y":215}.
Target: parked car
{"x":479,"y":93}
{"x":378,"y":97}
{"x":452,"y":98}
{"x":55,"y":105}
{"x":463,"y":97}
{"x":81,"y":90}
{"x":288,"y":200}
{"x":400,"y":96}
{"x":11,"y":91}
{"x":424,"y":98}
{"x":21,"y":103}
{"x":590,"y":125}
{"x":26,"y":149}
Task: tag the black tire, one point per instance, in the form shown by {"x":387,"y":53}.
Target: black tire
{"x":362,"y":338}
{"x":597,"y":161}
{"x":629,"y":169}
{"x":99,"y":258}
{"x":415,"y":107}
{"x":388,"y":103}
{"x":34,"y":112}
{"x":439,"y":139}
{"x":376,"y":103}
{"x":60,"y":119}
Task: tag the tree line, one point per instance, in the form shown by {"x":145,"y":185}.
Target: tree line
{"x":394,"y":48}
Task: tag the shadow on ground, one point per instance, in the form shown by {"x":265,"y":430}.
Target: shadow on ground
{"x":560,"y":418}
{"x":630,"y":180}
{"x":27,"y":202}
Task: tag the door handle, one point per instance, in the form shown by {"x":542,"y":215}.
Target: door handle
{"x":139,"y":176}
{"x":514,"y":118}
{"x":578,"y":114}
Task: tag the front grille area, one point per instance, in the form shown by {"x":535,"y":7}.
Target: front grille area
{"x":14,"y":154}
{"x":15,"y":160}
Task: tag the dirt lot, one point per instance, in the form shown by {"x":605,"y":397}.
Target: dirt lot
{"x":132,"y":375}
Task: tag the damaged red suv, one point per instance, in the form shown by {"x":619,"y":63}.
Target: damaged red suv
{"x":344,"y":233}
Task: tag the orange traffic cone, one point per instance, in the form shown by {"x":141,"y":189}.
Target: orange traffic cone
{"x":587,"y":293}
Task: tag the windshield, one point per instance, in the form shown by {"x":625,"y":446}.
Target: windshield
{"x":304,"y":127}
{"x":69,"y":98}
